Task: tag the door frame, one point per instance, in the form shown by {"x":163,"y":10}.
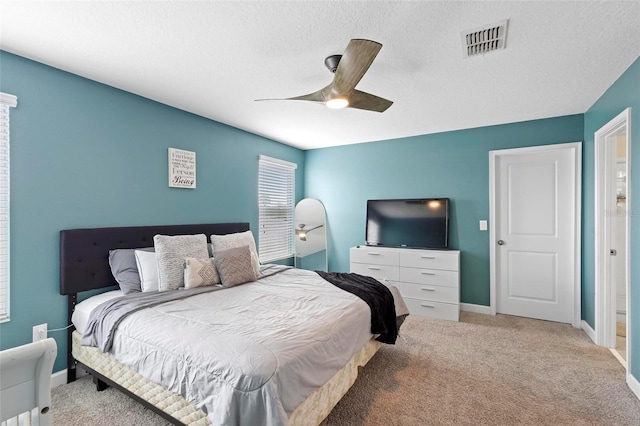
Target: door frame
{"x":576,"y":148}
{"x":605,"y":299}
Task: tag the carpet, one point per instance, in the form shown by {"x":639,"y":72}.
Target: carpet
{"x":483,"y":370}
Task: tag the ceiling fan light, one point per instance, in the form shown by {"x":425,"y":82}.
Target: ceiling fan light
{"x":337,"y":103}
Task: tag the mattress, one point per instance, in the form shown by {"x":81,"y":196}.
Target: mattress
{"x":311,"y":412}
{"x":83,"y":310}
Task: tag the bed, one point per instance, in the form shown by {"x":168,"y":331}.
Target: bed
{"x":278,"y":389}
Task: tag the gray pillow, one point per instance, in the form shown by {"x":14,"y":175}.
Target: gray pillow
{"x":124,"y":269}
{"x":234,"y":266}
{"x":238,"y":239}
{"x":170,"y":254}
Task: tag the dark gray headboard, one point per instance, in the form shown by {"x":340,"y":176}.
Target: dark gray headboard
{"x":84,"y":253}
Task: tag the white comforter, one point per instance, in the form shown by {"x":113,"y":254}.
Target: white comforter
{"x":248,"y":354}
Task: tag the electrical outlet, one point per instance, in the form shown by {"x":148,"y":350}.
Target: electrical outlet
{"x":39,"y":332}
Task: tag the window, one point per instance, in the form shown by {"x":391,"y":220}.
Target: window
{"x":276,"y":193}
{"x":6,"y":102}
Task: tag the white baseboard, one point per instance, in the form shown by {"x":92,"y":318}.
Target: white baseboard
{"x":617,"y":355}
{"x":634,"y":384}
{"x":590,"y":331}
{"x":478,"y":309}
{"x":60,"y":378}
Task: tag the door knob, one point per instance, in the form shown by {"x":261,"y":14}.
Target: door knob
{"x":500,"y":242}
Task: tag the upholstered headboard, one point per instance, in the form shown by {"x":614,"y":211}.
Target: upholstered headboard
{"x":84,"y":253}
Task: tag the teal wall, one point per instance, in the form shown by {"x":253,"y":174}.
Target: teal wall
{"x":624,"y":93}
{"x":87,"y":155}
{"x":451,"y":164}
{"x":84,"y":154}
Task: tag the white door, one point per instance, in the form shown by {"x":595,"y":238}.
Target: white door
{"x":612,"y":261}
{"x":535,"y":232}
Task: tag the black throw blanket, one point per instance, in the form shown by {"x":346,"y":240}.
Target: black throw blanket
{"x":376,"y":295}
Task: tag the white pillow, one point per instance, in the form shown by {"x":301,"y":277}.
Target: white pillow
{"x":200,"y":272}
{"x":147,"y":269}
{"x":239,"y":239}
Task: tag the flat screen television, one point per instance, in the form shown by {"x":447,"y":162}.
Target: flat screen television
{"x":414,"y":223}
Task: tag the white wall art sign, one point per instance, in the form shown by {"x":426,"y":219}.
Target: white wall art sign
{"x":182,"y":168}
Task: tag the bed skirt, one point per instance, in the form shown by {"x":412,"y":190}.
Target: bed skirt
{"x":312,"y":411}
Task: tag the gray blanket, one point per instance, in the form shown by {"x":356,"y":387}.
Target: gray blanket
{"x":104,"y":320}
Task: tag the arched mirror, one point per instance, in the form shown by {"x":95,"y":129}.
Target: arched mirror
{"x":310,"y":235}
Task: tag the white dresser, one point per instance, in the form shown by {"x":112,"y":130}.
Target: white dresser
{"x":429,"y":280}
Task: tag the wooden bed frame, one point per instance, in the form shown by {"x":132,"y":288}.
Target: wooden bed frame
{"x":84,"y":266}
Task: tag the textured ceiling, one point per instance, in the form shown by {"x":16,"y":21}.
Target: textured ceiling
{"x":214,"y":58}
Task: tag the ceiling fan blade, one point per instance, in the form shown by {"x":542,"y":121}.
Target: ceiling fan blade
{"x":315,"y":97}
{"x":367,"y":101}
{"x":355,"y":61}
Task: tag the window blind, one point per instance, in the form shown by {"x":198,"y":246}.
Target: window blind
{"x":6,"y":101}
{"x":276,"y":195}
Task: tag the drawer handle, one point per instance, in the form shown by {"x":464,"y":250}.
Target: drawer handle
{"x":428,"y":257}
{"x":373,"y":254}
{"x":426,"y":306}
{"x":374,"y":268}
{"x":427,"y":273}
{"x":428,"y":289}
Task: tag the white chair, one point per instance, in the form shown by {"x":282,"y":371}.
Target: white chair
{"x":25,"y":380}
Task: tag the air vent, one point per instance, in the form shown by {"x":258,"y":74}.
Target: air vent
{"x":487,"y":38}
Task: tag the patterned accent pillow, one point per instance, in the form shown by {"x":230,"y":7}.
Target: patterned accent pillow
{"x":171,"y":251}
{"x":234,"y":266}
{"x":200,"y":272}
{"x":238,"y":239}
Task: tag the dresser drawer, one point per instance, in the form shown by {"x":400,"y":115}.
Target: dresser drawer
{"x":378,"y":256}
{"x":430,"y":259}
{"x":438,"y":310}
{"x":434,"y":293}
{"x":429,"y":276}
{"x":379,"y":272}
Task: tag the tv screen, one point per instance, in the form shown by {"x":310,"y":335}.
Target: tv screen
{"x":417,"y":223}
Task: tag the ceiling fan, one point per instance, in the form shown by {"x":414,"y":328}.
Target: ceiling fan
{"x":349,"y":69}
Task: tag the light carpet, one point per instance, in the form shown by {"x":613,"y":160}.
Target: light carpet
{"x":483,"y":370}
